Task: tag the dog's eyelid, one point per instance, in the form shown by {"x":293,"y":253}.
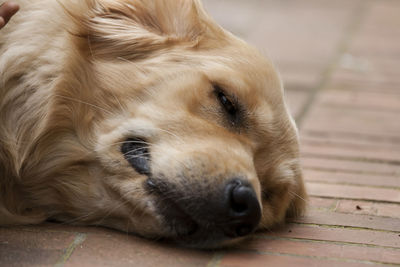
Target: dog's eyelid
{"x":234,"y":111}
{"x":229,"y":102}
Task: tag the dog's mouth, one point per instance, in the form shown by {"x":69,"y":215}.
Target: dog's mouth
{"x":178,"y":220}
{"x":206,"y":221}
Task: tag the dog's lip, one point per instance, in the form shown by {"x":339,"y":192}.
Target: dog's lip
{"x":176,"y":218}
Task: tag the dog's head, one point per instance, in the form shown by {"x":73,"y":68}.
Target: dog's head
{"x":178,"y":128}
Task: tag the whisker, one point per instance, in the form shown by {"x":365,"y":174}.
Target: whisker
{"x":144,"y":156}
{"x":120,"y":143}
{"x":125,"y":60}
{"x":79,"y":218}
{"x":119,"y":102}
{"x":83,"y":102}
{"x":135,"y":150}
{"x":170,"y":133}
{"x":296,"y":195}
{"x":122,"y":197}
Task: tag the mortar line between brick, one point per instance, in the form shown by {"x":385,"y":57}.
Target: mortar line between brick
{"x":372,"y":186}
{"x":348,"y":36}
{"x":350,"y":158}
{"x":348,"y":227}
{"x":358,"y":199}
{"x":321,"y":241}
{"x":333,"y":170}
{"x":334,"y":211}
{"x":322,"y":258}
{"x":344,"y":144}
{"x":387,"y":188}
{"x":353,"y":135}
{"x":344,"y":171}
{"x":362,"y":108}
{"x":79,"y":239}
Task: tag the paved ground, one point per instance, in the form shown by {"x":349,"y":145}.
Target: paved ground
{"x":340,"y":61}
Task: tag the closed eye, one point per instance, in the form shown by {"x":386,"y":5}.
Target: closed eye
{"x":228,"y":104}
{"x":136,"y":152}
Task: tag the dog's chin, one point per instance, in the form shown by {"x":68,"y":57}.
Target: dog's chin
{"x":206,"y":239}
{"x":186,"y":232}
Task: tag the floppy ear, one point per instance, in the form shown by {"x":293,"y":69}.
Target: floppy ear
{"x":134,"y":28}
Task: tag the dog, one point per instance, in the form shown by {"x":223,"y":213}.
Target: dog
{"x":144,"y":116}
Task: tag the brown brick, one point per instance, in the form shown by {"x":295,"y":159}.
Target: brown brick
{"x":384,"y":13}
{"x":248,"y":259}
{"x":351,"y":139}
{"x":348,"y":150}
{"x":325,"y":249}
{"x":322,"y":203}
{"x":377,"y":68}
{"x":296,"y":20}
{"x":363,"y":86}
{"x":350,"y":178}
{"x":362,"y":45}
{"x":227,"y":15}
{"x":369,"y":208}
{"x":343,"y":165}
{"x":68,"y":228}
{"x":299,"y":77}
{"x":118,"y":249}
{"x":296,"y":100}
{"x":374,"y":66}
{"x":360,"y":100}
{"x":352,"y":120}
{"x":339,"y":234}
{"x":24,"y":247}
{"x":353,"y":220}
{"x":353,"y":192}
{"x":378,"y":78}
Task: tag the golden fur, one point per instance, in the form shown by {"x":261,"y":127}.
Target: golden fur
{"x":77,"y":78}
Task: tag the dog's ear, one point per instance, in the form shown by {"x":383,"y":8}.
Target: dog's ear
{"x":134,"y":28}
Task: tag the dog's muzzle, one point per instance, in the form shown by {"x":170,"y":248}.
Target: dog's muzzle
{"x":200,"y":212}
{"x":206,"y":217}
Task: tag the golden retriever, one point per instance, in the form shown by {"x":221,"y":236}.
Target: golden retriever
{"x":143,"y":116}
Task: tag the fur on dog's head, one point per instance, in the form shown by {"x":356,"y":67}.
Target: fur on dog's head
{"x":165,"y":125}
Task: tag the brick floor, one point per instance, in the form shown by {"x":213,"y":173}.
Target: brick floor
{"x":340,"y":61}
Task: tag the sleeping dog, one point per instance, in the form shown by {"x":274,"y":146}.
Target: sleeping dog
{"x":143,"y":116}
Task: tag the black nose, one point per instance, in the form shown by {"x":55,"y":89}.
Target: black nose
{"x":244,"y":208}
{"x":201,"y":217}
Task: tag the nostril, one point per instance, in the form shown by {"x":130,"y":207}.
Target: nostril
{"x":244,"y":208}
{"x":240,"y":198}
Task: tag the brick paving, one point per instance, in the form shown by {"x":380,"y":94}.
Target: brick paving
{"x":340,"y":61}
